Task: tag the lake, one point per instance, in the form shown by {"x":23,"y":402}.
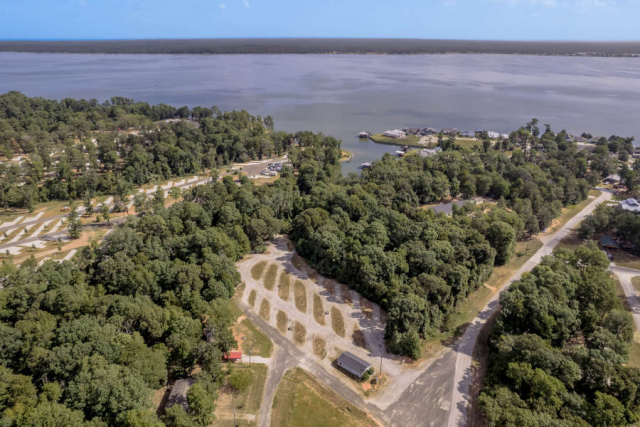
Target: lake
{"x":342,"y":95}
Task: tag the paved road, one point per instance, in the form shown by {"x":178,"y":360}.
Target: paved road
{"x":464,"y":347}
{"x":280,"y":364}
{"x":625,"y":275}
{"x":289,"y":356}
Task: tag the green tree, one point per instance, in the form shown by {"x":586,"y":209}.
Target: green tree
{"x":502,"y":238}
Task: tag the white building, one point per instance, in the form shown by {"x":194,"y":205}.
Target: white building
{"x":395,"y":133}
{"x":631,"y":205}
{"x":493,"y":135}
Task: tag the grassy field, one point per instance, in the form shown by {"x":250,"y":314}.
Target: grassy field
{"x":255,"y":340}
{"x":302,"y":401}
{"x":625,"y":259}
{"x":265,"y":309}
{"x":270,"y":277}
{"x":410,"y":140}
{"x":281,"y":321}
{"x":247,"y":403}
{"x":468,"y":142}
{"x":300,"y":296}
{"x":318,"y":309}
{"x":337,"y":322}
{"x":258,"y":269}
{"x":571,"y":242}
{"x":284,"y":286}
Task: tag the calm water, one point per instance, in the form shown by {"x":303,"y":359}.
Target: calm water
{"x":342,"y":95}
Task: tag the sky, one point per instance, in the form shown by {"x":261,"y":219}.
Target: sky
{"x":428,"y":19}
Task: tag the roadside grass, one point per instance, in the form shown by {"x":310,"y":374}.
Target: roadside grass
{"x":410,"y":140}
{"x":265,"y":308}
{"x":270,"y":277}
{"x":281,"y":321}
{"x":300,"y":296}
{"x":284,"y":286}
{"x":258,"y":269}
{"x":255,"y":340}
{"x":625,"y":259}
{"x":318,"y":310}
{"x":634,"y":348}
{"x":571,"y":242}
{"x":246,"y":404}
{"x":301,"y":400}
{"x":337,"y":322}
{"x":319,"y":347}
{"x":570,"y":211}
{"x":479,"y":298}
{"x":252,"y":298}
{"x":299,"y":333}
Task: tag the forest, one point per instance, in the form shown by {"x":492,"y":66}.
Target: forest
{"x":559,"y":347}
{"x":74,"y":149}
{"x":85,"y":342}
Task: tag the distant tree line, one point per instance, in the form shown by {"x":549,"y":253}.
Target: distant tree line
{"x":559,"y":348}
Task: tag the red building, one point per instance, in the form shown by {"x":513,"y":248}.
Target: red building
{"x":232,"y":356}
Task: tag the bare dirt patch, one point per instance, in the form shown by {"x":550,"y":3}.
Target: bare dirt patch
{"x":300,"y":264}
{"x":318,"y":309}
{"x":319,"y":347}
{"x":299,"y":333}
{"x":284,"y":286}
{"x":258,"y":269}
{"x":252,"y":297}
{"x":367,"y":308}
{"x":337,"y":322}
{"x":270,"y":277}
{"x":358,"y":338}
{"x":281,"y":321}
{"x":265,"y":308}
{"x":347,"y":295}
{"x":300,"y":296}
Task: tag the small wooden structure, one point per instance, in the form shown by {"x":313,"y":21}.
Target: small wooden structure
{"x":232,"y":356}
{"x":609,"y":243}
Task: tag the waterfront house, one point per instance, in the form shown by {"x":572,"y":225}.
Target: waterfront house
{"x":636,"y":152}
{"x":395,"y":133}
{"x":353,"y":364}
{"x":504,"y":136}
{"x":631,"y":205}
{"x":581,"y":139}
{"x":412,"y":131}
{"x":428,"y":131}
{"x":493,"y":135}
{"x":568,"y":138}
{"x":467,"y":134}
{"x":364,"y":135}
{"x":365,"y":165}
{"x":450,"y":131}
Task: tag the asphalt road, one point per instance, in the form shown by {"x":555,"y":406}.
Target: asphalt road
{"x":625,"y":275}
{"x":464,"y":348}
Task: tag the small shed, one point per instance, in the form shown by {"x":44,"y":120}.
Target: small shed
{"x":366,"y":165}
{"x":232,"y":356}
{"x":178,"y":395}
{"x":353,"y":364}
{"x":609,"y":243}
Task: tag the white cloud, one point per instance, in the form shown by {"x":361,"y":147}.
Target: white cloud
{"x":222,"y":6}
{"x":246,"y":4}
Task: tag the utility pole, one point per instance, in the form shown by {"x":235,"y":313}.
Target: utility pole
{"x":380,"y":365}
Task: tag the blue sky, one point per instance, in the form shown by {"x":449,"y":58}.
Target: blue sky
{"x":448,"y":19}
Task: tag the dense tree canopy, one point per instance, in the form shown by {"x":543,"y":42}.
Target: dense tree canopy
{"x":559,"y":348}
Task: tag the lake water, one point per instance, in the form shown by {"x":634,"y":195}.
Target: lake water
{"x":342,"y":95}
